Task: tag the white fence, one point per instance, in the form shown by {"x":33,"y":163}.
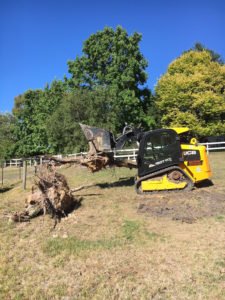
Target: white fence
{"x":124,"y":153}
{"x":214,"y":146}
{"x":18,"y":162}
{"x":132,"y":153}
{"x":32,"y":161}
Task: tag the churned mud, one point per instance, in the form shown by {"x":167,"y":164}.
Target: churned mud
{"x":185,"y":206}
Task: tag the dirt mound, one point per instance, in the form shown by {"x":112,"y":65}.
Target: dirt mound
{"x":186,"y":207}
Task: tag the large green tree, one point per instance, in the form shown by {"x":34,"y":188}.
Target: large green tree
{"x":32,"y":110}
{"x":6,"y":134}
{"x":30,"y":129}
{"x":112,"y":60}
{"x":192,"y":93}
{"x":78,"y":106}
{"x":107,"y":88}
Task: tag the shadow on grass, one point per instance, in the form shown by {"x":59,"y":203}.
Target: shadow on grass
{"x":6,"y":188}
{"x":75,"y":205}
{"x":204,"y":184}
{"x":58,"y":215}
{"x":127,"y":181}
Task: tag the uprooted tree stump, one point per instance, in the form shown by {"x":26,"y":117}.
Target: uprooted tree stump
{"x":95,"y":161}
{"x":50,"y":194}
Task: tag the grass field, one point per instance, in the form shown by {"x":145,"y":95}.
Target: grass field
{"x":117,"y":245}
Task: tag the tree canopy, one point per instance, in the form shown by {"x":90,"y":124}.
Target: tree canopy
{"x":112,"y":60}
{"x":191,"y":93}
{"x":6,"y":134}
{"x":110,"y":57}
{"x":107,"y":87}
{"x":215,"y":56}
{"x":78,"y":106}
{"x":31,"y":111}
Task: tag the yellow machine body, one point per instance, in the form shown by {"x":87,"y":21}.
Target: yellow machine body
{"x":196,"y":170}
{"x":161,"y":184}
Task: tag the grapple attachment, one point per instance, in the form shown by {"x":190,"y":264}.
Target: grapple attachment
{"x":100,"y":140}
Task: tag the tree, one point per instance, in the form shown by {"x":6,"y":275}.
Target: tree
{"x":32,"y":110}
{"x":80,"y":106}
{"x":191,"y":93}
{"x":215,"y":56}
{"x":112,"y":60}
{"x":107,"y":88}
{"x":6,"y":134}
{"x":29,"y":130}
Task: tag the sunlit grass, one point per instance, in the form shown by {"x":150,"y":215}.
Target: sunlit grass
{"x":107,"y":249}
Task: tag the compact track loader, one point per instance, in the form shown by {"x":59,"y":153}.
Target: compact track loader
{"x":164,"y":163}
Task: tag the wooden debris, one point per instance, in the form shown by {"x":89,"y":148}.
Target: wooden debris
{"x":95,"y":161}
{"x":50,"y":194}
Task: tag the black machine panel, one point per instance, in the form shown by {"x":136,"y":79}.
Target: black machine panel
{"x":159,"y":149}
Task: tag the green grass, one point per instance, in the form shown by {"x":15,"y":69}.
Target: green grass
{"x":220,"y":263}
{"x":130,"y":229}
{"x":131,"y":232}
{"x":153,"y":236}
{"x":220,"y":218}
{"x":74,"y":246}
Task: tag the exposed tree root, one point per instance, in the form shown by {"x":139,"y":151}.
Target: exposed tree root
{"x":50,"y":194}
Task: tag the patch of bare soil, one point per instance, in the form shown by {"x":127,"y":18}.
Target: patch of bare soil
{"x":187,"y":206}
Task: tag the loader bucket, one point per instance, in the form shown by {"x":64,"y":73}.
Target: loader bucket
{"x":100,"y":140}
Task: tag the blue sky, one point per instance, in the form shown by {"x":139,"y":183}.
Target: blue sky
{"x":37,"y":38}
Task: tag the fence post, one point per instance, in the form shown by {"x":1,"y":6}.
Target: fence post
{"x":2,"y":165}
{"x":19,"y":170}
{"x":35,"y":167}
{"x":24,"y":173}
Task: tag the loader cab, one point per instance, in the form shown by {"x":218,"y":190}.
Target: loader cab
{"x":158,"y":150}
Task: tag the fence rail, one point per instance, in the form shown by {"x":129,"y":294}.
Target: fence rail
{"x":124,"y":153}
{"x":213,"y":146}
{"x":18,"y":162}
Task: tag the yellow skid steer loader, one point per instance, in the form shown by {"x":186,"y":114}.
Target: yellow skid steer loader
{"x":164,"y":163}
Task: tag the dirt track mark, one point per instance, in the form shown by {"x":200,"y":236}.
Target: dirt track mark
{"x":186,"y":207}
